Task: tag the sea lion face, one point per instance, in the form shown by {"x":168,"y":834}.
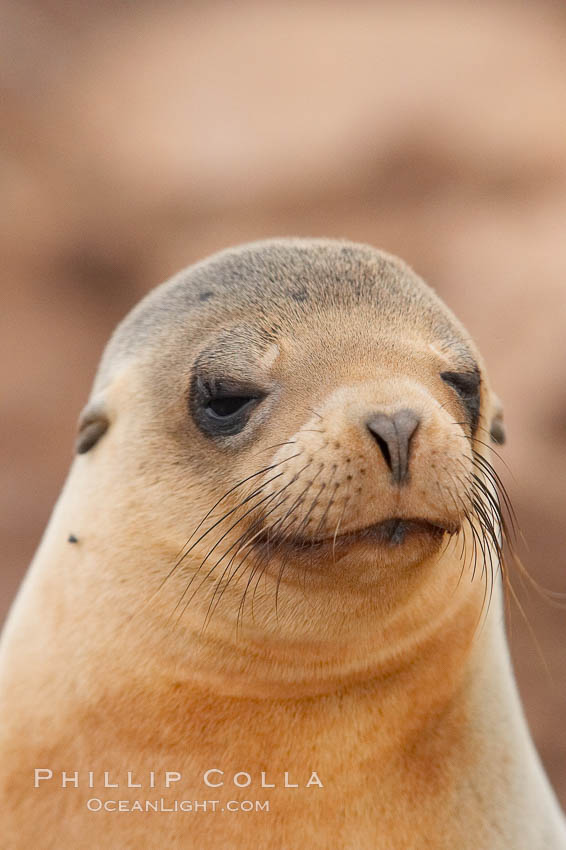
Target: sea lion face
{"x":362,"y":439}
{"x":313,"y":408}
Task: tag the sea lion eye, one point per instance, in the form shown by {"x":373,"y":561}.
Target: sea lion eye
{"x":467,"y":385}
{"x":224,"y":407}
{"x":221,"y":409}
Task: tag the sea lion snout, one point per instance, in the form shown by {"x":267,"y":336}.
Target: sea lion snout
{"x":393,"y":434}
{"x":377,"y":462}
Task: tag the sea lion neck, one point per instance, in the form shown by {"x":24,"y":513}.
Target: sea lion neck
{"x":432,"y":632}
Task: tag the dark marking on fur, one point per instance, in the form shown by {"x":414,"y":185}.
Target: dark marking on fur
{"x":299,"y":295}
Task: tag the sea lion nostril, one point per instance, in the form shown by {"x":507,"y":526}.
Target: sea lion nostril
{"x":393,"y":434}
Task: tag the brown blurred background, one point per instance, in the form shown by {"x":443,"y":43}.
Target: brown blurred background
{"x":137,"y":138}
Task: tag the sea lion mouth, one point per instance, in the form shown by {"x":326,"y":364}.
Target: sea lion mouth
{"x":390,"y":532}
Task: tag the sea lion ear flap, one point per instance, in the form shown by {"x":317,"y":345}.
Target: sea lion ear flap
{"x":497,"y":426}
{"x":93,"y":423}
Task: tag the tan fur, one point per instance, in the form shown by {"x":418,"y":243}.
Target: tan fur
{"x":376,"y":666}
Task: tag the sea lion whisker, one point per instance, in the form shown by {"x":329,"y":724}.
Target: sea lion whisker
{"x":312,"y":410}
{"x":330,"y":502}
{"x":488,"y":499}
{"x":243,"y":502}
{"x":346,"y":500}
{"x":228,"y":513}
{"x":260,"y":566}
{"x":463,"y":543}
{"x":298,"y":501}
{"x":493,"y":512}
{"x":235,"y":487}
{"x":471,"y":484}
{"x":477,"y":537}
{"x":491,"y":533}
{"x":490,"y":507}
{"x":218,"y":542}
{"x":490,"y":519}
{"x":488,"y":469}
{"x":462,"y":518}
{"x":329,"y":505}
{"x":496,"y":453}
{"x":241,"y":540}
{"x":313,"y":505}
{"x":241,"y":608}
{"x":284,"y":561}
{"x":247,"y":543}
{"x":531,"y":631}
{"x":267,"y":498}
{"x":231,"y":577}
{"x":282,"y":567}
{"x":276,"y":446}
{"x":480,"y":537}
{"x":305,"y":523}
{"x":262,"y":518}
{"x":263,"y":564}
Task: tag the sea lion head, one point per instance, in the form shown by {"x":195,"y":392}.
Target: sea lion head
{"x":298,"y":430}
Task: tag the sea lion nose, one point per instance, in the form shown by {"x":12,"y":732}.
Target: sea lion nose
{"x":393,"y":434}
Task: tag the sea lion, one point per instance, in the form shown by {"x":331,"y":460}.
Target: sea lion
{"x":267,"y":608}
